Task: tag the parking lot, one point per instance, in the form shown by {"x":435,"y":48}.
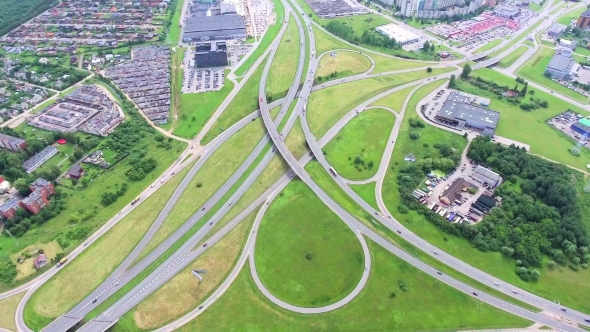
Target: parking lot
{"x":563,"y":121}
{"x":203,"y":80}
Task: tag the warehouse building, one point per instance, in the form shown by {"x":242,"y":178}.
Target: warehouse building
{"x":458,"y":112}
{"x":394,"y":31}
{"x":581,"y":126}
{"x":220,"y":27}
{"x":506,"y":11}
{"x":561,"y":65}
{"x":556,"y":30}
{"x":211,"y":59}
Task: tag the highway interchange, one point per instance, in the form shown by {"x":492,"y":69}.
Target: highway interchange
{"x":188,"y":251}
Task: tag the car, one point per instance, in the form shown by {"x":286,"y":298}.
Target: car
{"x":439,"y":273}
{"x":204,"y":245}
{"x":172,"y":173}
{"x":94,"y":301}
{"x":152,"y":185}
{"x":435,"y":252}
{"x":201,"y":307}
{"x":563,"y":309}
{"x":366,"y":268}
{"x":203,"y":209}
{"x":210,"y":223}
{"x":587,"y":320}
{"x":515,"y":292}
{"x":399,"y":232}
{"x":497,"y":284}
{"x":474,"y":293}
{"x":230,"y":203}
{"x":162,"y":181}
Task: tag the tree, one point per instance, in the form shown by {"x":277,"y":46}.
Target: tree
{"x":523,"y":90}
{"x":429,"y":70}
{"x":466,"y":71}
{"x":22,"y":186}
{"x":452,"y":81}
{"x":507,"y":251}
{"x":535,"y":274}
{"x":551,"y":264}
{"x":432,"y":47}
{"x":426,"y":46}
{"x":414,"y":135}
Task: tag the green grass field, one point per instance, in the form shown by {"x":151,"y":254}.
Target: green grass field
{"x":326,"y":42}
{"x":515,"y":55}
{"x":543,"y":140}
{"x":174,"y":33}
{"x":80,"y":276}
{"x":197,"y":108}
{"x":534,"y":7}
{"x":489,"y":45}
{"x":342,"y":65}
{"x":395,"y":100}
{"x":393,"y":300}
{"x":303,"y":260}
{"x":327,"y":106}
{"x":244,"y":103}
{"x":366,"y":192}
{"x":534,"y":69}
{"x":357,"y":149}
{"x":216,"y":170}
{"x":184,"y":292}
{"x":271,"y":33}
{"x":565,"y":19}
{"x":284,"y":64}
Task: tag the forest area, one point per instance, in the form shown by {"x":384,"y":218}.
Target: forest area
{"x":13,"y":13}
{"x":541,"y":217}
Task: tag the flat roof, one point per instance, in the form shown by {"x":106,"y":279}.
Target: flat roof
{"x":458,"y":107}
{"x":486,"y":174}
{"x":560,"y":62}
{"x":585,"y":122}
{"x":556,"y":27}
{"x":214,"y":23}
{"x":398,"y":33}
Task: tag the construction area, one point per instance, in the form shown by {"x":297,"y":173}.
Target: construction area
{"x":87,"y":109}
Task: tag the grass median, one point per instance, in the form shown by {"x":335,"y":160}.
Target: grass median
{"x":284,"y":65}
{"x":356,"y":151}
{"x":341,"y":64}
{"x":510,"y":59}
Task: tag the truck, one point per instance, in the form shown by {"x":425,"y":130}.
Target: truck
{"x":333,"y":171}
{"x":135,"y":200}
{"x":62,"y":261}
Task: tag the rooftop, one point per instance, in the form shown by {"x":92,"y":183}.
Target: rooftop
{"x":585,"y":14}
{"x":560,"y":62}
{"x":458,"y":107}
{"x":214,"y":23}
{"x":396,"y":32}
{"x":557,"y":28}
{"x":486,"y":175}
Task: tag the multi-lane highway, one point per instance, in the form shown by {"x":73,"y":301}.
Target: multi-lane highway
{"x":188,"y":252}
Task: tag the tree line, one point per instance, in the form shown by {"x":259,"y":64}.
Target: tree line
{"x":14,"y":13}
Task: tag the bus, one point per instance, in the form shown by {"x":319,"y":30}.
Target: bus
{"x":333,"y":171}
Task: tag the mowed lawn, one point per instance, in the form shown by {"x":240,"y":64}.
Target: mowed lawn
{"x":184,"y":292}
{"x":8,"y":311}
{"x":515,"y":40}
{"x":284,"y":64}
{"x":216,"y":170}
{"x":367,"y":193}
{"x":530,"y":127}
{"x":357,"y":149}
{"x":83,"y":274}
{"x":534,"y":69}
{"x":327,"y":106}
{"x":561,"y":283}
{"x":326,"y":42}
{"x":305,"y":255}
{"x":244,"y":103}
{"x":196,"y":109}
{"x":397,"y":297}
{"x":489,"y":45}
{"x":566,"y":18}
{"x":515,"y":55}
{"x":396,"y":100}
{"x":341,"y":64}
{"x":269,"y":36}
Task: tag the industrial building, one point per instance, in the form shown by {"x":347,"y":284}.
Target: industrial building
{"x":434,"y":8}
{"x":220,"y":27}
{"x":334,"y":8}
{"x":506,"y":11}
{"x":457,"y":111}
{"x":39,"y":158}
{"x":584,"y":20}
{"x":394,"y":31}
{"x":211,"y":59}
{"x":486,"y":176}
{"x":12,"y":143}
{"x":581,"y":126}
{"x":561,"y":65}
{"x":571,"y":44}
{"x":556,"y":30}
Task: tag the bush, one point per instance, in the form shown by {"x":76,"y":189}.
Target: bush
{"x":429,"y":70}
{"x":402,"y":209}
{"x":414,"y":135}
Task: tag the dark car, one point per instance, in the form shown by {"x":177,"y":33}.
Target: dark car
{"x":474,"y":293}
{"x":562,"y":309}
{"x":205,"y":245}
{"x":200,"y":307}
{"x":439,"y":273}
{"x":399,"y":232}
{"x":94,"y":301}
{"x":587,"y":320}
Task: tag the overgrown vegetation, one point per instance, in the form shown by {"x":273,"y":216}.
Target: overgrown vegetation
{"x":14,"y":13}
{"x":543,"y":218}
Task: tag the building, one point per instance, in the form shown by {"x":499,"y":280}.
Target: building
{"x":75,"y":172}
{"x":12,"y":143}
{"x":8,"y":209}
{"x":35,"y":202}
{"x":556,"y":30}
{"x":506,"y":11}
{"x":40,"y":261}
{"x":581,"y":126}
{"x":560,"y":66}
{"x":571,"y":44}
{"x":487,"y":176}
{"x":39,"y":158}
{"x":211,"y":59}
{"x":457,"y":111}
{"x":584,"y":20}
{"x":220,"y":27}
{"x":394,"y":31}
{"x":43,"y":186}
